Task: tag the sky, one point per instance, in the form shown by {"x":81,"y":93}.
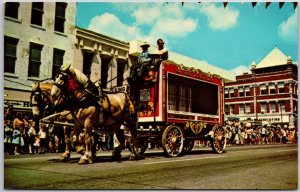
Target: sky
{"x":230,"y":38}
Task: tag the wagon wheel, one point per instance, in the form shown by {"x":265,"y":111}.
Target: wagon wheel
{"x":172,"y":141}
{"x":219,"y":139}
{"x":143,"y":146}
{"x":188,"y":145}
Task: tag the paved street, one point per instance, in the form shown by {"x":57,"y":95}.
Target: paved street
{"x":241,"y":167}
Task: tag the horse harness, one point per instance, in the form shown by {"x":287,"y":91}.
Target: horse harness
{"x":39,"y":95}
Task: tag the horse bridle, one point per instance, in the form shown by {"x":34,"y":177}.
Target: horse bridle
{"x":39,"y":95}
{"x":61,"y":87}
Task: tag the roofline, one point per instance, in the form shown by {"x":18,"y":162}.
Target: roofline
{"x":101,"y":35}
{"x":274,"y":66}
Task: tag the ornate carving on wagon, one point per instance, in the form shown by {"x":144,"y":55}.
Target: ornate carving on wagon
{"x":195,"y":126}
{"x":144,"y":95}
{"x":191,"y":71}
{"x":146,"y":107}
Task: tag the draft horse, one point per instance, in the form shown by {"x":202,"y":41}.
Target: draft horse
{"x":115,"y":108}
{"x":42,"y":106}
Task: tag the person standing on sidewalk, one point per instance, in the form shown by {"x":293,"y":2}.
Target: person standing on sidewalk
{"x":42,"y":136}
{"x":31,"y":134}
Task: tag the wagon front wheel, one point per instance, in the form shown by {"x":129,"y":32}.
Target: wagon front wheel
{"x":219,"y":139}
{"x":172,"y":141}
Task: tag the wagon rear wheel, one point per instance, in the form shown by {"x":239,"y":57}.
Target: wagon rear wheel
{"x":219,"y":139}
{"x":172,"y":141}
{"x":188,"y":145}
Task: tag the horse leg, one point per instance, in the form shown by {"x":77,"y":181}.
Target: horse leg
{"x":135,"y":152}
{"x":87,"y":157}
{"x":119,"y":141}
{"x":66,"y":155}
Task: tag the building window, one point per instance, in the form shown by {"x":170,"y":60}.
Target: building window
{"x":10,"y":54}
{"x":12,"y":9}
{"x":241,"y":92}
{"x":227,"y":109}
{"x":34,"y":60}
{"x":105,"y":63}
{"x":272,"y":88}
{"x":281,"y":107}
{"x":58,"y":60}
{"x":247,"y":91}
{"x":120,"y":72}
{"x":273,"y":107}
{"x":263,"y":107}
{"x":231,"y":91}
{"x":248,"y":109}
{"x":37,"y":12}
{"x":226,"y":93}
{"x":60,"y":11}
{"x":88,"y":57}
{"x":231,"y":109}
{"x":281,"y":87}
{"x":263,"y":89}
{"x":242,"y":109}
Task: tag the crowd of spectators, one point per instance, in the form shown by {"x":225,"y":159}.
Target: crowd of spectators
{"x":239,"y":134}
{"x":23,"y":136}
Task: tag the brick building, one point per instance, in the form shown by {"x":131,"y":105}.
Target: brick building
{"x":269,"y":93}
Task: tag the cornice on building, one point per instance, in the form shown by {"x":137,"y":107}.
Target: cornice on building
{"x":101,"y":39}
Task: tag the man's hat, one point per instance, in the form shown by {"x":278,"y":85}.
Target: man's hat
{"x":145,"y":44}
{"x":65,"y":67}
{"x":160,"y":41}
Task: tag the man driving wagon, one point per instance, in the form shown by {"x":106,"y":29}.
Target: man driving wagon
{"x":148,"y":64}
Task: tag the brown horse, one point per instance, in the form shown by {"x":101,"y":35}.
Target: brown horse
{"x":86,"y":110}
{"x":42,"y":106}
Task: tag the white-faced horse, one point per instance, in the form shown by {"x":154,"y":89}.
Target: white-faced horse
{"x":115,"y":108}
{"x":42,"y":106}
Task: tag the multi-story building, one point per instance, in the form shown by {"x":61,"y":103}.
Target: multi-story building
{"x":269,"y":93}
{"x":102,"y":58}
{"x":38,"y":38}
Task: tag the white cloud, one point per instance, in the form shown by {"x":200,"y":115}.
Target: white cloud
{"x":288,"y":30}
{"x":111,"y":25}
{"x":174,"y":27}
{"x":239,"y":70}
{"x":165,"y":21}
{"x":162,"y":21}
{"x":146,"y":15}
{"x":220,"y":18}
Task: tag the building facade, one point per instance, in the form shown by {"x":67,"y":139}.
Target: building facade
{"x":38,"y":38}
{"x":102,"y":58}
{"x":269,"y":93}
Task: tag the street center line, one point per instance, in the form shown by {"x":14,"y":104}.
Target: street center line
{"x":287,"y":150}
{"x":183,"y":160}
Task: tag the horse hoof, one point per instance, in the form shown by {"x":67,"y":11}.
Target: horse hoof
{"x":85,"y":160}
{"x":136,"y":157}
{"x":80,"y":150}
{"x":65,"y":157}
{"x":82,"y":162}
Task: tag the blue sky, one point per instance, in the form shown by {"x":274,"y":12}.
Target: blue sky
{"x":230,"y":38}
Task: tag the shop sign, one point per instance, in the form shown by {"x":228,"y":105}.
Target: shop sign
{"x":18,"y":104}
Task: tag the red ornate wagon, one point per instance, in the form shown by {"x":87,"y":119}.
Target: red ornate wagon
{"x":185,"y":105}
